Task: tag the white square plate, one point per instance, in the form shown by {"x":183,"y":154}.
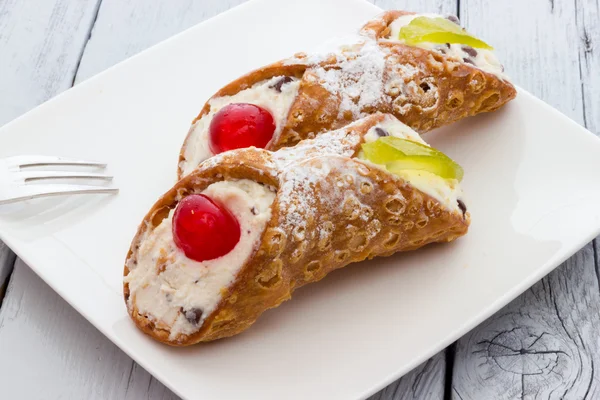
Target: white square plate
{"x":531,"y":185}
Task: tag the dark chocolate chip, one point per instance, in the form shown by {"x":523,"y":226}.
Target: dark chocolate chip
{"x":249,"y":231}
{"x":425,"y":86}
{"x":468,"y":61}
{"x":448,"y":45}
{"x":462,"y":206}
{"x":381,"y":132}
{"x":254,"y":210}
{"x":282,"y":81}
{"x":469,"y":50}
{"x":193,"y":315}
{"x":454,"y":19}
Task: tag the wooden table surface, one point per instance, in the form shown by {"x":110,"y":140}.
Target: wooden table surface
{"x":544,"y":345}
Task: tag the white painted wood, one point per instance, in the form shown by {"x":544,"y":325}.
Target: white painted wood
{"x":40,"y":46}
{"x":588,"y":28}
{"x":122,"y":29}
{"x":7,"y":260}
{"x":431,"y":6}
{"x":69,"y":358}
{"x":49,"y":351}
{"x":425,"y":382}
{"x":126,"y":27}
{"x":544,"y":345}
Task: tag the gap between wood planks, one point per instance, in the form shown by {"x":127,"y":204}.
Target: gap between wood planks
{"x":450,"y":351}
{"x":89,"y":36}
{"x":7,"y":257}
{"x":424,"y":380}
{"x":544,"y":344}
{"x":584,"y":54}
{"x":587,"y":58}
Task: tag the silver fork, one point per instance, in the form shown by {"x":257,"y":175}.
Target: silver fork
{"x":19,"y":181}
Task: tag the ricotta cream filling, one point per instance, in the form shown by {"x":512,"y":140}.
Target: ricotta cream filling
{"x":179,"y":293}
{"x":481,"y":58}
{"x":262,"y":94}
{"x":446,"y":191}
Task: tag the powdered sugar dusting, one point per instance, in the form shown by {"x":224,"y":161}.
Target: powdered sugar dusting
{"x":338,"y":142}
{"x":298,"y":194}
{"x":301,"y":175}
{"x":357,"y":78}
{"x":294,"y":196}
{"x":305,"y":172}
{"x":298,"y":175}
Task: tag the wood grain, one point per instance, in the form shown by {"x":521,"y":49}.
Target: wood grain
{"x":126,"y":27}
{"x":7,"y":260}
{"x":40,"y":46}
{"x":540,"y":346}
{"x":49,"y":351}
{"x":426,"y":6}
{"x":544,"y":344}
{"x":122,"y":29}
{"x":87,"y":365}
{"x":587,"y":14}
{"x":425,"y":382}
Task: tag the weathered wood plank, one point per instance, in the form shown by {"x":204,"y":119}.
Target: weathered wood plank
{"x":87,"y":365}
{"x":424,"y":382}
{"x":49,"y":351}
{"x":431,"y":6}
{"x":126,"y":27}
{"x":588,"y":28}
{"x":147,"y":23}
{"x":122,"y":29}
{"x":7,"y":260}
{"x":544,"y":344}
{"x":40,"y":47}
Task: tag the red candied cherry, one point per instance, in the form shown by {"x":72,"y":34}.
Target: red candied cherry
{"x":203,"y":229}
{"x":240,"y":125}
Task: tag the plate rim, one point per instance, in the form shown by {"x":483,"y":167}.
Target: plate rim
{"x":539,"y":272}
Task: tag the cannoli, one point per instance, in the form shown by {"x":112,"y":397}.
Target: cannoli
{"x":248,"y":226}
{"x":424,"y":84}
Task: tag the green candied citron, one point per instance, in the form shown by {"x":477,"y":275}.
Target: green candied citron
{"x":402,"y":154}
{"x":438,"y":30}
{"x":387,"y":149}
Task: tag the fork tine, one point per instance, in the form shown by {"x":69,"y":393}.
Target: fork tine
{"x":41,"y":161}
{"x":39,"y":191}
{"x":47,"y":175}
